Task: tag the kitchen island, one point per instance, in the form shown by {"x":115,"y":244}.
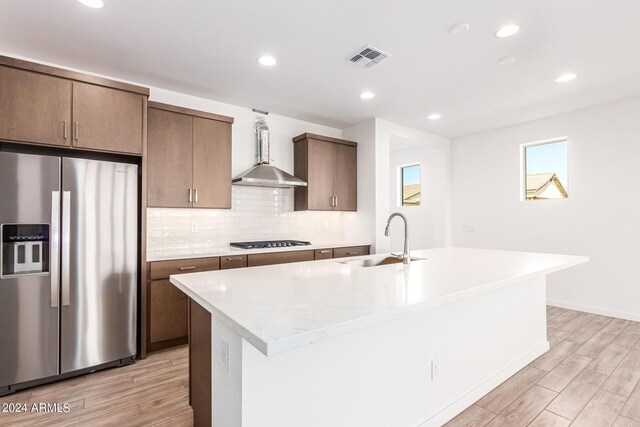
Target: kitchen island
{"x":334,"y":343}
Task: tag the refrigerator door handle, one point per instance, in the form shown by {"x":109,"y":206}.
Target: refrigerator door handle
{"x":54,"y":270}
{"x":66,"y":243}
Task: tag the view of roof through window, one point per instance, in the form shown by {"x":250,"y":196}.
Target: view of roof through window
{"x":411,"y":187}
{"x":546,"y":170}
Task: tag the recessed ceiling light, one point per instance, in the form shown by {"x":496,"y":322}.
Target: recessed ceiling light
{"x":367,"y":95}
{"x":508,"y":60}
{"x":434,"y":116}
{"x":507,"y":31}
{"x":96,"y":4}
{"x":566,"y":77}
{"x":267,"y":60}
{"x":459,"y":29}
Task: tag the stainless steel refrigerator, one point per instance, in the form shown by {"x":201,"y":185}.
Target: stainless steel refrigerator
{"x":69,"y":233}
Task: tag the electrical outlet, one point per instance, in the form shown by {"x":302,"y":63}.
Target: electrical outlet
{"x":194,"y":227}
{"x":325,"y":225}
{"x":435,"y":369}
{"x":224,"y":353}
{"x":469,"y":228}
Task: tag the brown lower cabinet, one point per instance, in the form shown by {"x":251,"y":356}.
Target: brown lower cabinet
{"x":167,"y":307}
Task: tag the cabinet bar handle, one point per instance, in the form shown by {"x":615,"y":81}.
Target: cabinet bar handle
{"x":238,"y":258}
{"x":324,"y":252}
{"x":195,"y":195}
{"x":64,"y":131}
{"x":336,"y":204}
{"x":77,"y":130}
{"x":190,"y":196}
{"x":193,"y":267}
{"x":353,"y":253}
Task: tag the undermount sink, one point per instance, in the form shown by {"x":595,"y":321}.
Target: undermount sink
{"x":376,"y":261}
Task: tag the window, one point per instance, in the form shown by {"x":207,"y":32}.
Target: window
{"x":410,"y":186}
{"x":545,"y":170}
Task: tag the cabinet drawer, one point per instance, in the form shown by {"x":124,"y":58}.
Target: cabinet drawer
{"x":351,"y":251}
{"x":234,"y":261}
{"x":163,"y":269}
{"x":280,"y":258}
{"x":323,"y":253}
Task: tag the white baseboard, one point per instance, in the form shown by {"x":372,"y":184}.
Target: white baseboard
{"x":468,"y":399}
{"x":595,"y":310}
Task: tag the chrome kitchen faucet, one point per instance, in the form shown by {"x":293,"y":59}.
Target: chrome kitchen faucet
{"x":405,"y":257}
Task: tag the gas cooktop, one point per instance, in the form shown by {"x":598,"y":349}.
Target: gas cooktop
{"x":269,"y":244}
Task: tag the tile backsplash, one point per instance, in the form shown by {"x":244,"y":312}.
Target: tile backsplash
{"x":256,"y":214}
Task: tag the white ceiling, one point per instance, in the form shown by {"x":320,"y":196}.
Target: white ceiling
{"x":210,"y":49}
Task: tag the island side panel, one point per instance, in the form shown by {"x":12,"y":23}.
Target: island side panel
{"x":381,"y":376}
{"x":200,"y":364}
{"x":227,"y":375}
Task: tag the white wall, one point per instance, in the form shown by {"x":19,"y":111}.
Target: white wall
{"x":428,"y":220}
{"x":384,"y":133}
{"x":360,"y":225}
{"x":374,"y":189}
{"x":599,"y":219}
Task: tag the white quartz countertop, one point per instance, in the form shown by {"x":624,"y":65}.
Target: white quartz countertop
{"x":231,"y":251}
{"x":278,"y":308}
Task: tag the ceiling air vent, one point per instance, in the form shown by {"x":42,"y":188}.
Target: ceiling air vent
{"x":369,"y":56}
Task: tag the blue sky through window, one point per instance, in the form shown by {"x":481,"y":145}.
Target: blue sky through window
{"x":551,"y":157}
{"x":411,"y":175}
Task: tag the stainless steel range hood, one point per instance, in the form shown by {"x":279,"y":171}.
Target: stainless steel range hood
{"x":263,"y":174}
{"x":266,"y":175}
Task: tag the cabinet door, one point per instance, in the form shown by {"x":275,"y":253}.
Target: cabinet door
{"x":320,"y":175}
{"x":107,"y":119}
{"x":34,"y":108}
{"x":345,"y":177}
{"x":168,"y":312}
{"x":211,"y":163}
{"x":169,"y":159}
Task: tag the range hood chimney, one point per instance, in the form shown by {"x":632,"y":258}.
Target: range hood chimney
{"x":263,"y":174}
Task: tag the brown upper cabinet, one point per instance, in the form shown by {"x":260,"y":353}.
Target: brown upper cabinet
{"x":329,"y":166}
{"x":34,"y":107}
{"x":107,"y":119}
{"x":46,"y":105}
{"x":188,"y":157}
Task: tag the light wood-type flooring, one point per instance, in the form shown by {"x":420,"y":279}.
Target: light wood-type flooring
{"x":151,"y":392}
{"x":590,"y":377}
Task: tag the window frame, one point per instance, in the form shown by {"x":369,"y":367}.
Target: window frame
{"x":400,"y":185}
{"x":523,"y":166}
